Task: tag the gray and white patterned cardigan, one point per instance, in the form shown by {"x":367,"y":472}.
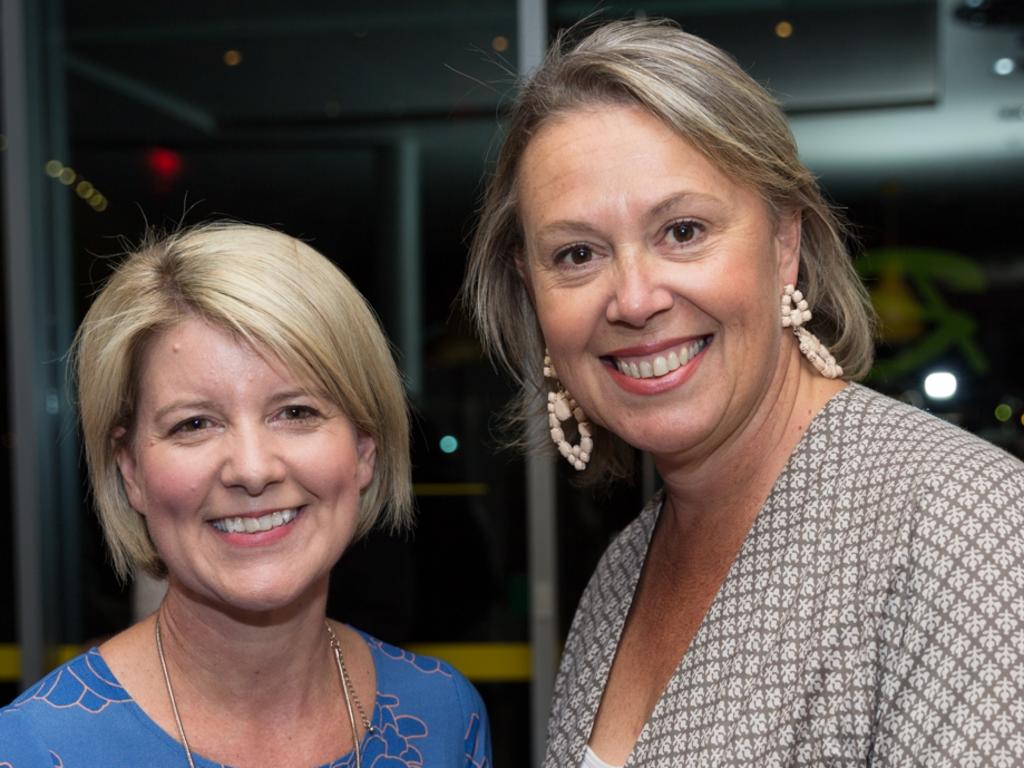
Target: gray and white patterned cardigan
{"x":874,"y":615}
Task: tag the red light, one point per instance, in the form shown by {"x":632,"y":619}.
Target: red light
{"x":164,"y":163}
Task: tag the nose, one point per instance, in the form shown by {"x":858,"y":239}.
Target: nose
{"x":253,"y":462}
{"x":639,"y":292}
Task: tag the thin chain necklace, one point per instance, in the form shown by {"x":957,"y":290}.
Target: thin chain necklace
{"x":347,"y":690}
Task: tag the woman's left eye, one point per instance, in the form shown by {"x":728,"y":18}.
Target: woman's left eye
{"x":298,"y":413}
{"x":682,"y":231}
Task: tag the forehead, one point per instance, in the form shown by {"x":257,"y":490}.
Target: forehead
{"x":194,"y":354}
{"x":615,"y":155}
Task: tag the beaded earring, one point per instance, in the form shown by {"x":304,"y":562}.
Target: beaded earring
{"x":796,"y":312}
{"x":561,"y":408}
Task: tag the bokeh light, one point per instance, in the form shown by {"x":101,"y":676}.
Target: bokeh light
{"x":940,"y":385}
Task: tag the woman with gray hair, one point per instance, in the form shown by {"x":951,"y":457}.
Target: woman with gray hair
{"x":827,"y":576}
{"x":243,"y":422}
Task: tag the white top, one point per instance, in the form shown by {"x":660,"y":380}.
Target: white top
{"x":591,"y":760}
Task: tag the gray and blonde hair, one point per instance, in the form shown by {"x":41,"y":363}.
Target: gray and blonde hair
{"x":271,"y":291}
{"x":700,"y":92}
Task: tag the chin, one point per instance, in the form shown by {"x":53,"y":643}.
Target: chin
{"x":264,"y":594}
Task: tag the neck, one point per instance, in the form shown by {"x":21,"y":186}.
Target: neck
{"x":715,"y":496}
{"x":248,"y":662}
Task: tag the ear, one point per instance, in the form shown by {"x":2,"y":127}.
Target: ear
{"x":128,"y":468}
{"x":524,"y":272}
{"x":366,"y":456}
{"x":787,"y":241}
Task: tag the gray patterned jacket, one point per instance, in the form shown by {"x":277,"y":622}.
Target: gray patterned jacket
{"x":874,"y":615}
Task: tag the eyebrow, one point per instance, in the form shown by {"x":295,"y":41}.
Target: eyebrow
{"x":570,"y":226}
{"x":292,"y":394}
{"x":182,"y":405}
{"x":209,"y":405}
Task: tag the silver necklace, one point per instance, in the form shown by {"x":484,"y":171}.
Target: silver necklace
{"x":347,"y":690}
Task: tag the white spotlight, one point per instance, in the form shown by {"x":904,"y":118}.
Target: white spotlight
{"x":940,"y":385}
{"x":1004,"y":66}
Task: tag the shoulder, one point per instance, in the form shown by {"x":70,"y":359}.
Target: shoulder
{"x":83,"y":684}
{"x":413,"y":687}
{"x":420,"y":675}
{"x":899,"y":465}
{"x":926,"y":495}
{"x":918,"y":445}
{"x":433,"y":680}
{"x":65,"y":707}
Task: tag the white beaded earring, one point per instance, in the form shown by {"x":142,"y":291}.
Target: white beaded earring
{"x":561,"y":408}
{"x":795,"y":312}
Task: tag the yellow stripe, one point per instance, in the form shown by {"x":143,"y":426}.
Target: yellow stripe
{"x":10,"y":663}
{"x":450,"y":489}
{"x":10,"y":659}
{"x":481,"y":662}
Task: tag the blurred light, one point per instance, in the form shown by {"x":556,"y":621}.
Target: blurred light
{"x":95,"y":197}
{"x":1003,"y":412}
{"x":449,"y":444}
{"x":164,"y":163}
{"x":940,"y":385}
{"x":67,"y":176}
{"x":1004,"y":66}
{"x":500,"y":43}
{"x":84,"y":189}
{"x":101,"y":206}
{"x":784,"y":29}
{"x":232,"y":58}
{"x":53,"y":168}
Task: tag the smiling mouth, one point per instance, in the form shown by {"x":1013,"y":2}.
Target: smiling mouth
{"x":660,"y":364}
{"x":260,"y":524}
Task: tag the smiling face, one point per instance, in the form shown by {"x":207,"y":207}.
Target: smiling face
{"x":250,"y":485}
{"x":656,"y":279}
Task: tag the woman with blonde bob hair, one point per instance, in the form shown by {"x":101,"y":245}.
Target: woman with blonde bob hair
{"x":243,"y":422}
{"x":800,"y":591}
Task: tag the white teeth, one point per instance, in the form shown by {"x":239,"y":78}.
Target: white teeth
{"x":661,"y":365}
{"x":255,"y":524}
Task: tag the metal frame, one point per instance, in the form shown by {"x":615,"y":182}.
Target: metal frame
{"x":40,"y":324}
{"x":540,"y":483}
{"x":21,"y":310}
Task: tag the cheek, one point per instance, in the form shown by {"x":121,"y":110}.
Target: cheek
{"x":566,"y":319}
{"x":174,"y":487}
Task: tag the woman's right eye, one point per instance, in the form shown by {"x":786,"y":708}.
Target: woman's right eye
{"x":192,"y":424}
{"x":575,"y":254}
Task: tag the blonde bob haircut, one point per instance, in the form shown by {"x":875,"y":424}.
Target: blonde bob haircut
{"x":272,"y":292}
{"x":703,"y":95}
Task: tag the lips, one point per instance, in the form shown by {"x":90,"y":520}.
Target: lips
{"x":661,"y":362}
{"x":255,"y":524}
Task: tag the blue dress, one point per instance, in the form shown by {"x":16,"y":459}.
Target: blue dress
{"x":79,"y":716}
